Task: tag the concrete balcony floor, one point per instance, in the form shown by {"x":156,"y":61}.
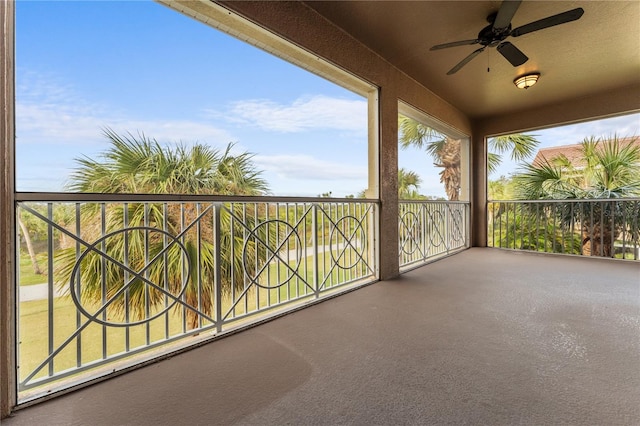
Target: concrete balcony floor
{"x":482,"y":337}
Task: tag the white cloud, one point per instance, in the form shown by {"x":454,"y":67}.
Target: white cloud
{"x":64,"y":124}
{"x":622,"y":126}
{"x":174,"y":131}
{"x":307,"y":167}
{"x":48,"y":112}
{"x":307,"y":113}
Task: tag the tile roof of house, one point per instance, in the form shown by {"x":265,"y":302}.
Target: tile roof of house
{"x":574,"y":152}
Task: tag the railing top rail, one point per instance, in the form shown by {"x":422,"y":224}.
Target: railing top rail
{"x":141,"y":198}
{"x":572,"y":200}
{"x":433,"y":201}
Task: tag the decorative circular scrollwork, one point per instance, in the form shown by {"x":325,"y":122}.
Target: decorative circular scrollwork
{"x":456,"y":233}
{"x":138,"y":276}
{"x":269,"y":245}
{"x":437,"y":220}
{"x":349,"y":232}
{"x":410,"y":233}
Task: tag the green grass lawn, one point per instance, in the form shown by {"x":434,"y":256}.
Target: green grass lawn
{"x":34,"y":320}
{"x":27,"y":276}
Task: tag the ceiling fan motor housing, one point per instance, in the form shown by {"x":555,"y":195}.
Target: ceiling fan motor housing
{"x":489,"y":37}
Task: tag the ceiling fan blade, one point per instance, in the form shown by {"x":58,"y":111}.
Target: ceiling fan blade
{"x":454,"y":44}
{"x":505,"y":15}
{"x":512,"y":54}
{"x":560,"y":18}
{"x":465,"y":61}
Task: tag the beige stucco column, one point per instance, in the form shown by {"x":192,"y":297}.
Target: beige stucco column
{"x":7,"y":131}
{"x":388,"y":116}
{"x":478,"y":165}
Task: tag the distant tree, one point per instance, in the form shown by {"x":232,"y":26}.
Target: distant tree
{"x":500,"y":189}
{"x":29,"y":244}
{"x":408,"y":184}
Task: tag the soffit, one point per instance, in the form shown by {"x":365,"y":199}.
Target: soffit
{"x":598,"y":53}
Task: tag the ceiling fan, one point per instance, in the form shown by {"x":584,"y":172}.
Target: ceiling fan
{"x":499,"y":28}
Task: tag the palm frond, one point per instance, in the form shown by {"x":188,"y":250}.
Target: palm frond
{"x":522,"y":146}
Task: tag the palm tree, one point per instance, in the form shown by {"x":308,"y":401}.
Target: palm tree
{"x":445,"y":151}
{"x":408,"y":184}
{"x":141,"y":165}
{"x":27,"y":240}
{"x":606,"y":170}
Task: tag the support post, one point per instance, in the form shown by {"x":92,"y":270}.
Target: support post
{"x":388,"y":167}
{"x":7,"y":211}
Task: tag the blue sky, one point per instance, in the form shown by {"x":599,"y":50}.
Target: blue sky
{"x":141,"y":67}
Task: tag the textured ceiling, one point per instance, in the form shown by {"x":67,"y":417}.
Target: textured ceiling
{"x":597,"y":53}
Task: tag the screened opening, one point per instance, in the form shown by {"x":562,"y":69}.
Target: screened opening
{"x":175,"y":182}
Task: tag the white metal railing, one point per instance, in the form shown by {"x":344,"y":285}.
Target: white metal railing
{"x":431,"y":229}
{"x":603,"y":227}
{"x":125,"y":274}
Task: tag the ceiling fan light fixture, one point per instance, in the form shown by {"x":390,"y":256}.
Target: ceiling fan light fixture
{"x":526,"y":81}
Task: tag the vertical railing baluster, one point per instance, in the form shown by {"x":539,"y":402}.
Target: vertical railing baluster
{"x":183,"y":268}
{"x":636,"y":230}
{"x":349,"y":272}
{"x":103,"y":277}
{"x":289,"y":218}
{"x":602,"y":227}
{"x":321,"y":239}
{"x":78,"y":290}
{"x":165,"y":267}
{"x":508,"y":236}
{"x":268,"y":227}
{"x":572,"y":218}
{"x":257,"y":255}
{"x":198,"y":270}
{"x":563,"y":227}
{"x":500,"y":211}
{"x":614,"y":209}
{"x":582,"y":227}
{"x":553,"y":234}
{"x":147,"y":297}
{"x":125,"y":262}
{"x":245,"y":279}
{"x":307,"y":247}
{"x":217,"y":210}
{"x":523,"y":212}
{"x":591,"y":228}
{"x":50,"y":287}
{"x":425,"y":231}
{"x":232,"y":253}
{"x":537,"y":226}
{"x":624,"y":227}
{"x":314,"y":242}
{"x":278,"y":290}
{"x":493,"y":224}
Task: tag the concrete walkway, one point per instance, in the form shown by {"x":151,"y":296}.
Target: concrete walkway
{"x":37,"y":292}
